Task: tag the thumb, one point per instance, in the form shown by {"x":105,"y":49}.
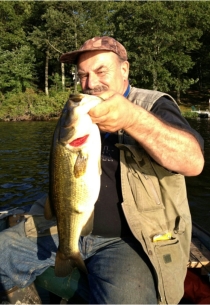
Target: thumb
{"x":107,"y":94}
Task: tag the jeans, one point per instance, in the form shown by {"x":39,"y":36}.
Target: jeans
{"x":118,"y":270}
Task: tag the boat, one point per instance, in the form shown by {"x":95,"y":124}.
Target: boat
{"x":202,"y":113}
{"x":197,"y":282}
{"x":64,"y":290}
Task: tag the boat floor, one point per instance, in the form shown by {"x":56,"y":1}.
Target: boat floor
{"x":199,"y":256}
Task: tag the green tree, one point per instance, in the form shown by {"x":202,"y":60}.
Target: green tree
{"x":13,"y":23}
{"x":64,"y":26}
{"x":167,"y":41}
{"x":202,"y":63}
{"x":163,"y":38}
{"x":16,"y":70}
{"x":188,"y":32}
{"x":201,"y":57}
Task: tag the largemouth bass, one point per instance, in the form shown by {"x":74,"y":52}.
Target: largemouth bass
{"x":74,"y":179}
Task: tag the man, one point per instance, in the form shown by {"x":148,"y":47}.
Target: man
{"x":139,"y":247}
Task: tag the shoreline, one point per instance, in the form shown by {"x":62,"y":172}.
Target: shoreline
{"x":44,"y":117}
{"x":28,"y":118}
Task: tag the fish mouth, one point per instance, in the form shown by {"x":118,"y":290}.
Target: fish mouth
{"x":79,"y":141}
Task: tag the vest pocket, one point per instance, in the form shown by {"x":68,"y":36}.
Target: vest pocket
{"x":146,"y":197}
{"x":173,"y":268}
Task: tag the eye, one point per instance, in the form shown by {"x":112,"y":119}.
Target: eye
{"x":101,"y":72}
{"x":82,"y":76}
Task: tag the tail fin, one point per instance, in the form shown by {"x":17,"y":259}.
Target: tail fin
{"x":64,"y":266}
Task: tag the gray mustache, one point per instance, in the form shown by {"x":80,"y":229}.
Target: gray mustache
{"x":96,"y":89}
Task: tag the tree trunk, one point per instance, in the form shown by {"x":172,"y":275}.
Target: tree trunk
{"x":46,"y":73}
{"x":63,"y":76}
{"x":178,"y":96}
{"x":75,"y":80}
{"x":178,"y":90}
{"x":154,"y":75}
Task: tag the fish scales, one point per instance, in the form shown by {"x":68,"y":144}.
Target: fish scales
{"x":74,"y":180}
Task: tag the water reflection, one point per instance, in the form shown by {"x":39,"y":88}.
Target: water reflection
{"x":24,"y":155}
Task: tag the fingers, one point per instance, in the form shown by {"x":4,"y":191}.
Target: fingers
{"x":111,"y":114}
{"x":104,"y":107}
{"x":99,"y":111}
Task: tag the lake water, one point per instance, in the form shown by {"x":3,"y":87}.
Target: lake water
{"x":24,"y":155}
{"x":199,"y":187}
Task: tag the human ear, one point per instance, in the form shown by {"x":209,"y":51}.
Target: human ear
{"x":125,"y":69}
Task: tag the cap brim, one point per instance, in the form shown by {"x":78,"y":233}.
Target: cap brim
{"x":71,"y":57}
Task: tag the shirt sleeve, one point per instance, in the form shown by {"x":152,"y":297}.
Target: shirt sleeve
{"x":169,"y":112}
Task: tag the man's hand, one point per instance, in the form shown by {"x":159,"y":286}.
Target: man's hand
{"x":113,"y":113}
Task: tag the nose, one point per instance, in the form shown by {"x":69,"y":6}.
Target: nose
{"x":92,"y":80}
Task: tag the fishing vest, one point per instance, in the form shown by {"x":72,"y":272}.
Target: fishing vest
{"x":156,"y":208}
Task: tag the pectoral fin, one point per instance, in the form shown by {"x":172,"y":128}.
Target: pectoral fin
{"x":80,"y":164}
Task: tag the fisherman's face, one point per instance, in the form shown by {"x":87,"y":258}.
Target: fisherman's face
{"x":100,"y":71}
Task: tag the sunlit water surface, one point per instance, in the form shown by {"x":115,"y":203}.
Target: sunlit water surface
{"x":24,"y":157}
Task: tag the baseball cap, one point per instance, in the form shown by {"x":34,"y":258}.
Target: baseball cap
{"x":103,"y":43}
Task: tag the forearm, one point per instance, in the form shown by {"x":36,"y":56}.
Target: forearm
{"x":172,"y":148}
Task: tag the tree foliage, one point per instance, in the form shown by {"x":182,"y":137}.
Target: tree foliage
{"x":168,"y":42}
{"x":16,"y":70}
{"x":163,"y":39}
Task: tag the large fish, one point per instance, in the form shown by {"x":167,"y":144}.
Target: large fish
{"x":74,"y":179}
